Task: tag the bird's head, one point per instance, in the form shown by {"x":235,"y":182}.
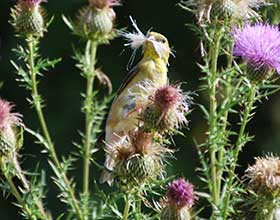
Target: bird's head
{"x":156,"y":46}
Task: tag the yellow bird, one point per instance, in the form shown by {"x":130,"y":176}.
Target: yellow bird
{"x":152,"y":67}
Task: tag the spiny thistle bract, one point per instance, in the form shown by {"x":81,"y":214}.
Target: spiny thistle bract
{"x":28,"y":17}
{"x":260,"y":197}
{"x":8,"y":123}
{"x":137,"y":158}
{"x":164,"y":108}
{"x":96,"y":21}
{"x":259,"y":46}
{"x":179,"y":199}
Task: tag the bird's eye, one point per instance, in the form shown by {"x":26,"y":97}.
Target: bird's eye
{"x":162,"y":41}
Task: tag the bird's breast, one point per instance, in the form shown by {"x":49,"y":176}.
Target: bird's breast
{"x":120,"y":119}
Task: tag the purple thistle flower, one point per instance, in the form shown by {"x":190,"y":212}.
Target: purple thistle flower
{"x":101,"y":4}
{"x":258,"y":45}
{"x":8,"y":135}
{"x":7,"y":118}
{"x":31,"y":3}
{"x":181,"y":193}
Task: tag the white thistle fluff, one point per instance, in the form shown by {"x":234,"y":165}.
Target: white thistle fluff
{"x":161,"y":49}
{"x":243,"y":8}
{"x":135,"y":39}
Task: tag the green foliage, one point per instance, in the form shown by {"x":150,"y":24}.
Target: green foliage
{"x":230,"y":92}
{"x":139,"y":190}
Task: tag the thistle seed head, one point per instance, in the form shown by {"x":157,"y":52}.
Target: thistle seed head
{"x":264,"y":175}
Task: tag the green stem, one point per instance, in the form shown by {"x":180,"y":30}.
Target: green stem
{"x":239,"y":145}
{"x":228,"y":95}
{"x":271,"y":212}
{"x":88,"y":121}
{"x":214,"y":53}
{"x":16,"y":193}
{"x":20,"y":173}
{"x":126,"y":208}
{"x":139,"y":206}
{"x":51,"y":148}
{"x":270,"y":215}
{"x":221,"y":153}
{"x":26,"y":185}
{"x":267,"y":210}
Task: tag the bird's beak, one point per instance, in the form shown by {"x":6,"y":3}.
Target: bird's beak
{"x":151,"y":38}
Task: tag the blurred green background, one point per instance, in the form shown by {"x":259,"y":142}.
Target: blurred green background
{"x":61,"y":87}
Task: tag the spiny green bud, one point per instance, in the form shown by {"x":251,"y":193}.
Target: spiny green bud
{"x":165,"y":109}
{"x":96,"y":21}
{"x":7,"y":143}
{"x":151,"y":118}
{"x":258,"y":75}
{"x":139,"y":167}
{"x":137,"y":158}
{"x":154,"y":120}
{"x":29,"y":22}
{"x":136,"y":168}
{"x":8,"y":122}
{"x":28,"y":18}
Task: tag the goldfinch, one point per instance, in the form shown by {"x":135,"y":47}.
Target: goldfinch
{"x":123,"y":114}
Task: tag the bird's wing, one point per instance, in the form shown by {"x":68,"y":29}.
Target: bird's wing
{"x":131,"y":74}
{"x":113,"y":116}
{"x":111,"y":137}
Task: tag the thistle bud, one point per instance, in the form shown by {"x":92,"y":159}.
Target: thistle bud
{"x":138,"y":167}
{"x":138,"y":158}
{"x":165,"y":110}
{"x":96,"y":21}
{"x":179,"y":199}
{"x":28,"y":18}
{"x":141,"y":163}
{"x":7,"y":142}
{"x":258,"y":75}
{"x":8,"y":123}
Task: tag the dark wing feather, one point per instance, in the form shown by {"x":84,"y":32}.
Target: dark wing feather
{"x":128,"y":79}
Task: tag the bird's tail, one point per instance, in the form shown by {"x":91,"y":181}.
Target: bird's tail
{"x":106,"y":175}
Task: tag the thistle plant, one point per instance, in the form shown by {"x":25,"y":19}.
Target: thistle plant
{"x":232,"y":31}
{"x":179,"y":199}
{"x":261,"y":187}
{"x":240,"y":63}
